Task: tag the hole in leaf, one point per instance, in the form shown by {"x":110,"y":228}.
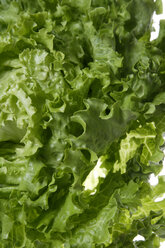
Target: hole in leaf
{"x":107,"y":111}
{"x":46,"y":118}
{"x":75,"y":128}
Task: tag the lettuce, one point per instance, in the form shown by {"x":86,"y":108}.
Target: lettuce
{"x":82,"y":99}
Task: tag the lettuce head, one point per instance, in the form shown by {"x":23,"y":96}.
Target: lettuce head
{"x":82,"y":114}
